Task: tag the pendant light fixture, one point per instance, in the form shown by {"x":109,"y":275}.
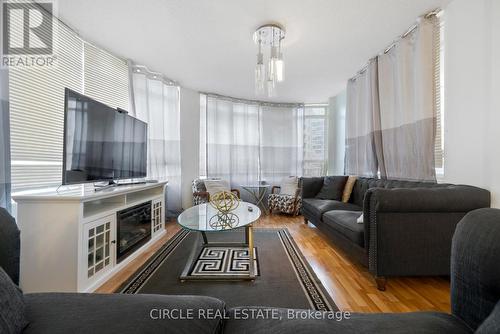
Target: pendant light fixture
{"x":266,"y":79}
{"x":260,"y":71}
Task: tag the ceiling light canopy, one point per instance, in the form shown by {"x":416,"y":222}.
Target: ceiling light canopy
{"x":266,"y":78}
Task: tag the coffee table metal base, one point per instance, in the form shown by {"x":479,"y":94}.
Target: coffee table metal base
{"x":198,"y":248}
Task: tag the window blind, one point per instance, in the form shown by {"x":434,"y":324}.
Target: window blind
{"x":438,"y":92}
{"x":37,"y":112}
{"x":106,"y":77}
{"x":37,"y":104}
{"x":203,"y":135}
{"x":315,"y":140}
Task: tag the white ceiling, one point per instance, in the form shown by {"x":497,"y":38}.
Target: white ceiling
{"x":207,"y":45}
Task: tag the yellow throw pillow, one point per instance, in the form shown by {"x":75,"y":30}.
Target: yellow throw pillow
{"x":348,"y":188}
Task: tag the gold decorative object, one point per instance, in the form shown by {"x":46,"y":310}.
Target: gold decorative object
{"x":224,"y":201}
{"x":224,"y":221}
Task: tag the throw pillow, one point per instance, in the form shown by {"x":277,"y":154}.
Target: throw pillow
{"x":216,"y":186}
{"x":333,"y":186}
{"x":492,"y":323}
{"x":289,"y":185}
{"x":348,"y":188}
{"x":12,"y":308}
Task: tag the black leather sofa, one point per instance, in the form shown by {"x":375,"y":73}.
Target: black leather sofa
{"x":407,"y":226}
{"x":475,"y":295}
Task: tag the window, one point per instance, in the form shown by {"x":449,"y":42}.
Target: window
{"x":277,"y":141}
{"x":315,"y":140}
{"x":282,"y":142}
{"x":105,"y":77}
{"x":37,"y":113}
{"x":203,"y":136}
{"x":37,"y":105}
{"x":247,"y":141}
{"x":439,"y":99}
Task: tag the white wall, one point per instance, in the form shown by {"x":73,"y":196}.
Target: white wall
{"x":190,"y":142}
{"x":336,"y":134}
{"x":472,"y":94}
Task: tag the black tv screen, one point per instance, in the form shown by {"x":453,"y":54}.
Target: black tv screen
{"x":101,"y":143}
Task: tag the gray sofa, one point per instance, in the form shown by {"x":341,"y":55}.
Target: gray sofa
{"x":475,"y":290}
{"x":407,"y":226}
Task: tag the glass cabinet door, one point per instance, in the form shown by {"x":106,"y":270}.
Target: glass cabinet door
{"x":99,"y":238}
{"x":157,"y":216}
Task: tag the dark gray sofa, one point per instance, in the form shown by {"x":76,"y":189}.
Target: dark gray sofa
{"x":475,"y":290}
{"x":407,"y":226}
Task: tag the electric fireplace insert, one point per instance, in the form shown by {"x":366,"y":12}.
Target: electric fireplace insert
{"x":133,"y":229}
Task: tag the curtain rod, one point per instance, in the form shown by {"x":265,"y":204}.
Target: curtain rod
{"x":312,"y":105}
{"x":155,"y":75}
{"x":256,"y":102}
{"x":434,"y":12}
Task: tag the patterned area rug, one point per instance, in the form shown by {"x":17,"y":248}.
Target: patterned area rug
{"x":285,"y":278}
{"x":230,"y":261}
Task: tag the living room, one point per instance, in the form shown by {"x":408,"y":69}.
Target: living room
{"x":249,"y":166}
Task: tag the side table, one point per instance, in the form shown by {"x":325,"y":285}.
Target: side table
{"x":258,"y":193}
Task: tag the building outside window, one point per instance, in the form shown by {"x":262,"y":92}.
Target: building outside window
{"x":315,"y":140}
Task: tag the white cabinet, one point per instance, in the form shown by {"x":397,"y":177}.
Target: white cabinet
{"x":99,"y":243}
{"x":68,"y":237}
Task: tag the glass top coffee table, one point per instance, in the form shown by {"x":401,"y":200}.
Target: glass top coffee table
{"x":206,"y":219}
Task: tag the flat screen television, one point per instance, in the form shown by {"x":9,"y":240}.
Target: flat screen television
{"x":100,"y":143}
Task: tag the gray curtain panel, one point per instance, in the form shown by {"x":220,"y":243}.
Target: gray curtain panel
{"x":362,"y":122}
{"x":391,"y":110}
{"x":4,"y":141}
{"x":407,"y":108}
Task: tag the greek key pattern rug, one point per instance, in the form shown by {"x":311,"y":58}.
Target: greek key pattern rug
{"x":221,"y":261}
{"x":286,"y":279}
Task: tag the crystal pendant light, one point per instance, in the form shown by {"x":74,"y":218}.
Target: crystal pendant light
{"x":271,"y":70}
{"x":280,"y":69}
{"x":271,"y":88}
{"x":270,"y":35}
{"x":260,"y":72}
{"x":280,"y":65}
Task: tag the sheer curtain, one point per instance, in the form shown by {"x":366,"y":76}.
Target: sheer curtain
{"x":281,"y":142}
{"x":232,"y":131}
{"x":156,"y":102}
{"x":249,"y":141}
{"x":362,"y":114}
{"x":5,"y":183}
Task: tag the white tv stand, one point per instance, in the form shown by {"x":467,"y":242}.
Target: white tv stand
{"x":68,"y":237}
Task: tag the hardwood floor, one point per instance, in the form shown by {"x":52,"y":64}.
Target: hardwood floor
{"x":351,"y":285}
